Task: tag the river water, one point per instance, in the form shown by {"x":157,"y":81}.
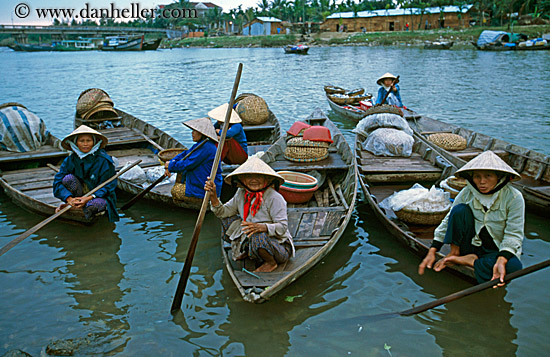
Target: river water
{"x":110,"y":287}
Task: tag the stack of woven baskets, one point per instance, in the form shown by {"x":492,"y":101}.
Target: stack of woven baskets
{"x":252,"y":109}
{"x":95,"y":103}
{"x":307,"y":143}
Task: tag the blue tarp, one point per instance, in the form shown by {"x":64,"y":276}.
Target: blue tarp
{"x":488,"y":37}
{"x":21,"y":130}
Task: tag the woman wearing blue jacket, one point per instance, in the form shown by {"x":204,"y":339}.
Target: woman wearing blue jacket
{"x":86,"y":168}
{"x":193,"y":171}
{"x":385,"y":82}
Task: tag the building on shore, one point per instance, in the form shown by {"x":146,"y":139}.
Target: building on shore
{"x":399,"y":19}
{"x":263,"y":26}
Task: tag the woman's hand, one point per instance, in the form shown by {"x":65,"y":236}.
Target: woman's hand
{"x":251,"y":228}
{"x":499,"y":270}
{"x":218,"y":131}
{"x":210,"y":186}
{"x":428,"y":261}
{"x":79,"y":202}
{"x":166,"y":172}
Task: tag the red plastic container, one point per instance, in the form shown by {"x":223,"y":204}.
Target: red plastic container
{"x":297,"y":195}
{"x":365,"y":104}
{"x":318,"y":133}
{"x":297,"y":127}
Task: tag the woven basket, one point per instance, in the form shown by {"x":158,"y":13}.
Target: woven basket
{"x":448,"y":141}
{"x":334,"y":89}
{"x":384,"y":108}
{"x":90,"y":98}
{"x":456,"y":182}
{"x":421,"y":218}
{"x":253,"y":110}
{"x":355,"y":92}
{"x":178,"y":194}
{"x":168,"y":154}
{"x":299,"y":150}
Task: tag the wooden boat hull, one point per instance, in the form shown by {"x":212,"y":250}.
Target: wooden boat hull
{"x":132,"y":45}
{"x":533,"y":167}
{"x":439,"y":46}
{"x":315,"y":226}
{"x":355,"y":115}
{"x":28,"y":181}
{"x":151,"y":45}
{"x":298,"y":51}
{"x":381,"y":176}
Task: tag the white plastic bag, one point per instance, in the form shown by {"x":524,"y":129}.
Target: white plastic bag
{"x":135,"y":175}
{"x":389,"y":142}
{"x":382,"y":120}
{"x":418,"y":198}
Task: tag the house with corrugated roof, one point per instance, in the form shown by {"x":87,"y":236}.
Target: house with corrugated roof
{"x":263,"y":26}
{"x":399,"y":19}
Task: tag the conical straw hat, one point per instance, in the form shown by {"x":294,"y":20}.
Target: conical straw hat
{"x":386,"y":75}
{"x":487,"y":160}
{"x":255,"y":165}
{"x":219,"y":114}
{"x":83,"y":129}
{"x":203,"y":126}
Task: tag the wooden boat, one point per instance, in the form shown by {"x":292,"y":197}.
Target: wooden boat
{"x":296,"y":49}
{"x":27,"y":179}
{"x":381,"y":176}
{"x":74,"y":45}
{"x":316,"y":226}
{"x":123,"y":43}
{"x":132,"y":139}
{"x":533,"y":167}
{"x":151,"y":45}
{"x":25,"y":47}
{"x":347,"y":111}
{"x":436,"y":45}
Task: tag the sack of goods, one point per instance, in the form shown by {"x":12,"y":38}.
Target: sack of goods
{"x":382,"y":120}
{"x":95,"y":103}
{"x":20,"y":129}
{"x":387,"y":134}
{"x":418,"y":205}
{"x":311,"y":146}
{"x":253,"y":110}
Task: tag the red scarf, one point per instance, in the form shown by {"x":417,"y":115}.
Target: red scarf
{"x":252,"y":207}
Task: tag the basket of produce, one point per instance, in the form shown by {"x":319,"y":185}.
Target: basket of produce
{"x":253,"y":110}
{"x":448,"y":141}
{"x":168,"y":154}
{"x":334,"y":89}
{"x":384,"y":108}
{"x":299,"y":150}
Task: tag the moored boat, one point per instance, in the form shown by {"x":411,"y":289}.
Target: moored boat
{"x":123,"y":43}
{"x":438,"y":45}
{"x":533,"y":166}
{"x":316,"y":226}
{"x":296,"y":49}
{"x":351,"y":112}
{"x":151,"y":45}
{"x":382,"y":176}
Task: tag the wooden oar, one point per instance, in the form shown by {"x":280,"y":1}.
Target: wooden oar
{"x":387,"y":94}
{"x":20,"y":238}
{"x":455,"y":296}
{"x":180,"y":290}
{"x":159,"y":180}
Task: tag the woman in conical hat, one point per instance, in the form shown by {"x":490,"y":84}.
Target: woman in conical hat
{"x":235,"y":150}
{"x":255,"y":220}
{"x":485,"y":224}
{"x":87,"y":167}
{"x":193,"y":171}
{"x":386,"y":83}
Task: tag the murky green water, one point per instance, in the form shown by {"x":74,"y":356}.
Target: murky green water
{"x":114,"y":283}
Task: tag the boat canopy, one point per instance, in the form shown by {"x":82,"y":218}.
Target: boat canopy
{"x":488,"y":37}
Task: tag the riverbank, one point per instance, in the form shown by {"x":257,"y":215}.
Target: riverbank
{"x":408,"y":38}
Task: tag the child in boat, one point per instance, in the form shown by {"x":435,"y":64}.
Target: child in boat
{"x":385,"y":83}
{"x":87,"y":167}
{"x":485,"y":224}
{"x":193,"y":171}
{"x":255,"y":219}
{"x":235,"y":150}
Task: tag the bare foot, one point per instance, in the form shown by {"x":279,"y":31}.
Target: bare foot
{"x":467,"y":260}
{"x":266,"y":268}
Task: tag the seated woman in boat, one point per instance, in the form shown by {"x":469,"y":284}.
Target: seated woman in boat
{"x":255,"y":220}
{"x":88,"y":166}
{"x":235,"y":150}
{"x":485,"y":224}
{"x":193,"y":171}
{"x":385,"y":82}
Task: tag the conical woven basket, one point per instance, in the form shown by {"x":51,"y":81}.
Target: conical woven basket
{"x":448,"y":141}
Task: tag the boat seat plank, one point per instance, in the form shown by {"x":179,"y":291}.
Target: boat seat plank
{"x":265,"y":126}
{"x":319,"y":224}
{"x":306,"y":225}
{"x":471,"y":152}
{"x":44,"y":152}
{"x":542,"y":191}
{"x":253,"y":149}
{"x":294,"y":219}
{"x":332,"y":162}
{"x":28,"y":175}
{"x":34,"y":185}
{"x":331,"y":222}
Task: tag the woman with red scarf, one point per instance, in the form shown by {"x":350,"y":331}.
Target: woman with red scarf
{"x":255,"y":220}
